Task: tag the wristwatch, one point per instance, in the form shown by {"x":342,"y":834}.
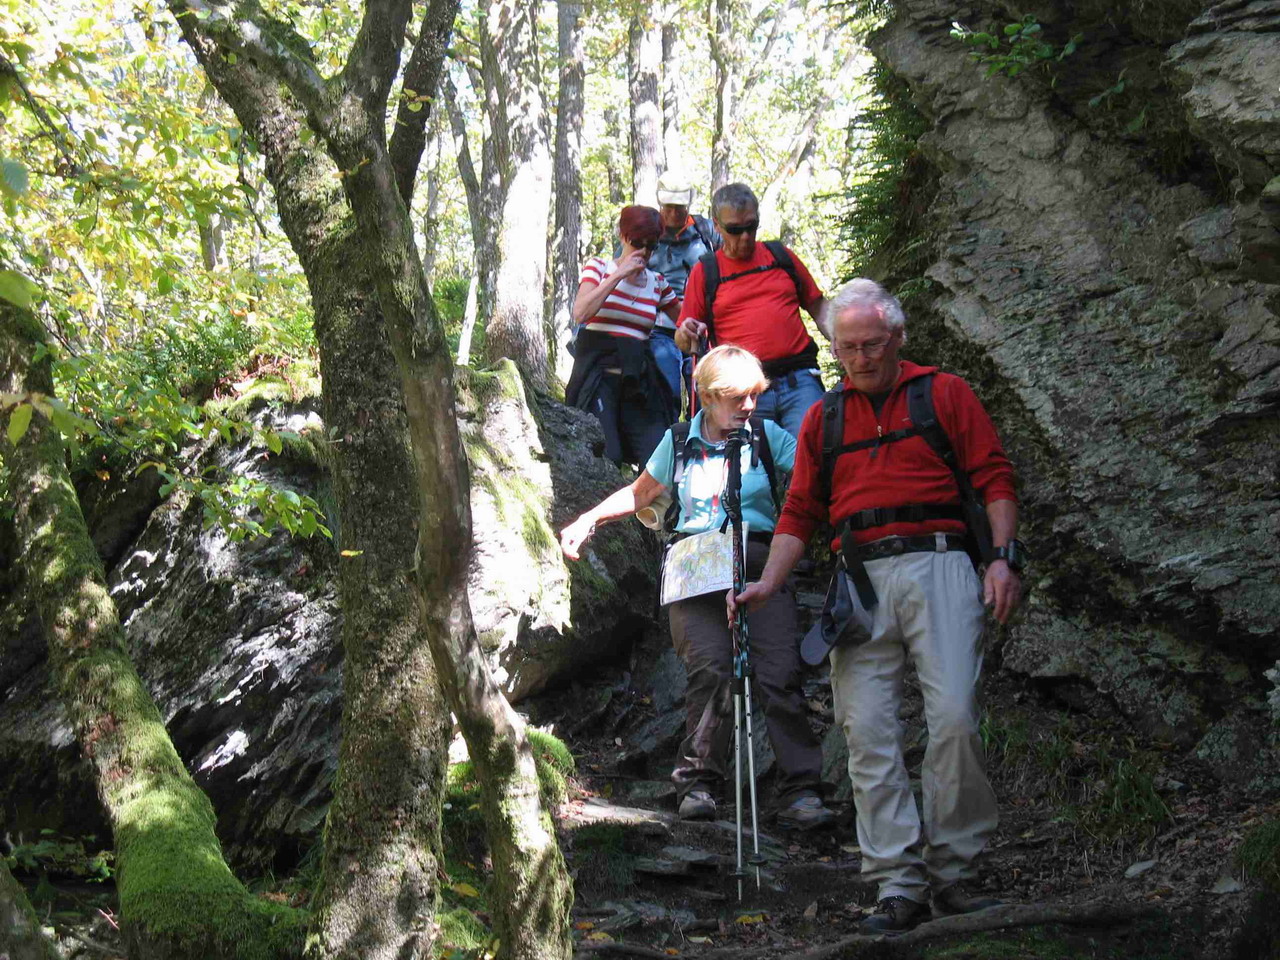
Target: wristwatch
{"x":1013,"y":553}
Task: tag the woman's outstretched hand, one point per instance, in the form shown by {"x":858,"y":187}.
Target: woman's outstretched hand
{"x":574,"y":536}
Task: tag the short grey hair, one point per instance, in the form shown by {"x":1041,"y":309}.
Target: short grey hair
{"x":735,"y":196}
{"x":863,"y":292}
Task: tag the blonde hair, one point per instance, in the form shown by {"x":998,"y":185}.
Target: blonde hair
{"x":729,"y":371}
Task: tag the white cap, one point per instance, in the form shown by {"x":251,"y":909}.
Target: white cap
{"x":675,"y":188}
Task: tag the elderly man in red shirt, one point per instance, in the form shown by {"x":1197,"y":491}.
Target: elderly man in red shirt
{"x":758,"y":290}
{"x":897,"y":504}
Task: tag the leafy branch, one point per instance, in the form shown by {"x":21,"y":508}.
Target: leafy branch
{"x":1018,"y":47}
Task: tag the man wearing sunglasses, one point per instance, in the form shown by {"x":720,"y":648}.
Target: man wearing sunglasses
{"x":756,"y":293}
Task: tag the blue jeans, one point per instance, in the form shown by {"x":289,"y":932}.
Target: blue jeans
{"x":670,"y":361}
{"x":789,"y":398}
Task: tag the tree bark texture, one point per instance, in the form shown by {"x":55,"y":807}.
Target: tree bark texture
{"x":20,"y":935}
{"x":509,"y":61}
{"x":723,"y":55}
{"x":567,"y":239}
{"x":382,"y":855}
{"x":644,"y":60}
{"x":532,"y":892}
{"x":178,"y":898}
{"x":672,"y":150}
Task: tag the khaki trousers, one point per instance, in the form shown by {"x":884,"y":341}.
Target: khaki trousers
{"x":929,"y":611}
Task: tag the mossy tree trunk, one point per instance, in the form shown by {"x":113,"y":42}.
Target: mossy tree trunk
{"x":178,"y":898}
{"x":20,"y":935}
{"x":532,"y":890}
{"x":379,"y":889}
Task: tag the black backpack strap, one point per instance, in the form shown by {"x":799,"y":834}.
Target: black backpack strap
{"x":761,"y":452}
{"x":832,"y":439}
{"x":782,"y":257}
{"x":710,"y":283}
{"x":924,"y":417}
{"x":679,"y":460}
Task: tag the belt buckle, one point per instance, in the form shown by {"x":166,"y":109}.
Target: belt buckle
{"x":897,"y":545}
{"x":940,"y":542}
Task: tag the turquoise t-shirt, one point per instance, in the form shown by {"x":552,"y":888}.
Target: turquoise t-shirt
{"x":702,"y":486}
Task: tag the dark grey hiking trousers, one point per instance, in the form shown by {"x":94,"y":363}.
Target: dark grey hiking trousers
{"x":700,"y":633}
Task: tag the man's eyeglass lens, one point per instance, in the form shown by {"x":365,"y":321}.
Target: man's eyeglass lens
{"x":737,"y":229}
{"x":873,"y":349}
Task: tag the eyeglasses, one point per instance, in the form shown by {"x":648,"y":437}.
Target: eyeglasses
{"x":870,"y":350}
{"x":737,"y":229}
{"x":649,"y":245}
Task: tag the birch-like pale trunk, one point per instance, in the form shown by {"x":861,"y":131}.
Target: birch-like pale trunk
{"x":644,"y":60}
{"x":567,"y":241}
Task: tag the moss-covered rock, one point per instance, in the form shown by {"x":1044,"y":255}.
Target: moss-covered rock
{"x":541,"y":618}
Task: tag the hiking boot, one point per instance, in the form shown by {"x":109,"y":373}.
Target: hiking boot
{"x":956,"y":899}
{"x":806,"y":813}
{"x":894,"y":915}
{"x":697,"y":805}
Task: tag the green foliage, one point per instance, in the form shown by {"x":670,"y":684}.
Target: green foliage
{"x":1259,"y":854}
{"x":1103,"y":786}
{"x":884,"y":228}
{"x":1017,"y":47}
{"x":61,"y":856}
{"x":107,"y":225}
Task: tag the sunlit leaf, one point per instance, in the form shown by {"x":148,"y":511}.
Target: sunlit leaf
{"x":13,"y":178}
{"x":464,"y":889}
{"x":19,"y":421}
{"x":18,"y":289}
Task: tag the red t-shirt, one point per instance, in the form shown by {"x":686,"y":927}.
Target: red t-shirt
{"x":759,"y":312}
{"x":901,"y":473}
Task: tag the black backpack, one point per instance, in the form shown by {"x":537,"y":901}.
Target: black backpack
{"x":924,"y":423}
{"x":760,"y":453}
{"x":782,"y":260}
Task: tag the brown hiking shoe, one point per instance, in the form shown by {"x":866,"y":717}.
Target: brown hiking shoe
{"x":697,"y":805}
{"x":894,"y":915}
{"x":956,"y":899}
{"x":805,"y":813}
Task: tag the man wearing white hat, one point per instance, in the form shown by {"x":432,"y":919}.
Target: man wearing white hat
{"x":685,"y":238}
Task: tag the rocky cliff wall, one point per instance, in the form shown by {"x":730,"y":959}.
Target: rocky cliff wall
{"x":1103,"y":267}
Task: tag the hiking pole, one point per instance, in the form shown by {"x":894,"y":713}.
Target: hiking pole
{"x":741,"y":668}
{"x":698,"y":350}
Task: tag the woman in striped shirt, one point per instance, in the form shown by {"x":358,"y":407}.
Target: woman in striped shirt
{"x":614,"y":375}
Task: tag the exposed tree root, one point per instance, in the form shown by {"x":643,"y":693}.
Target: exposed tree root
{"x":1009,"y":916}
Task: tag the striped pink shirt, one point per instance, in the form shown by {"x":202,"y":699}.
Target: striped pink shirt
{"x":632,"y":307}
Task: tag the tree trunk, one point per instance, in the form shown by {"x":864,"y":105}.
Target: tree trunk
{"x":482,"y":229}
{"x":509,"y":61}
{"x":672,"y":151}
{"x":532,"y":892}
{"x":720,"y":17}
{"x":20,"y":935}
{"x":568,"y":169}
{"x":644,"y":59}
{"x":178,"y":898}
{"x":468,"y":323}
{"x":378,"y":892}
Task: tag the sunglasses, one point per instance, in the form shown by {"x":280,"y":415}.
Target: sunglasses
{"x":650,"y":245}
{"x":737,"y":229}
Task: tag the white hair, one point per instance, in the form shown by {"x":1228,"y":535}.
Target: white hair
{"x":864,"y":292}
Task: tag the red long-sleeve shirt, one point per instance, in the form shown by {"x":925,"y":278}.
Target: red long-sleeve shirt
{"x":901,"y":473}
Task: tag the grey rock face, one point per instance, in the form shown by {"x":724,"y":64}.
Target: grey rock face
{"x":239,"y":642}
{"x":1124,"y":332}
